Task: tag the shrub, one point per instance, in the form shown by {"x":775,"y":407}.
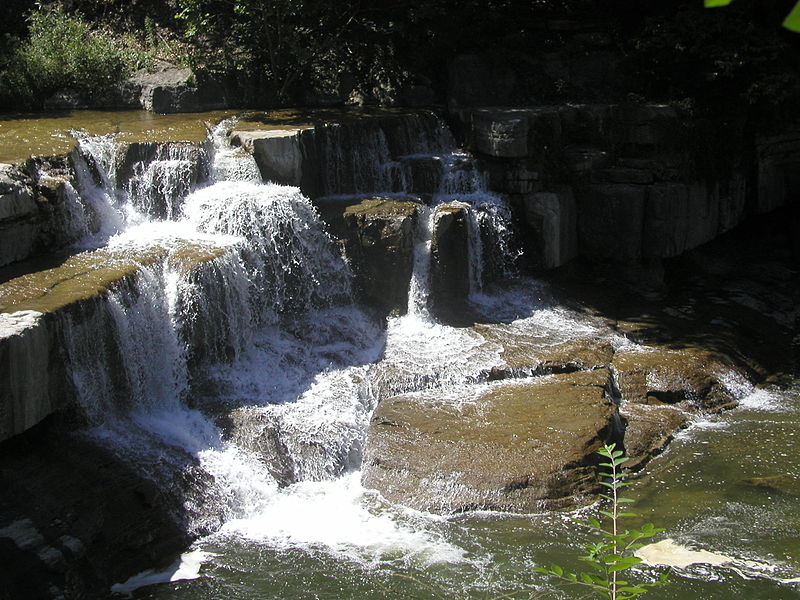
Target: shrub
{"x":62,"y":52}
{"x":612,"y":555}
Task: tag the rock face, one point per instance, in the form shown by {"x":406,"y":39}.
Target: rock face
{"x":172,"y":90}
{"x":519,"y":447}
{"x":449,"y":274}
{"x":39,"y":211}
{"x":278,"y":153}
{"x":33,"y":310}
{"x":379,"y":246}
{"x":611,"y":183}
{"x":75,"y":519}
{"x":552,"y":217}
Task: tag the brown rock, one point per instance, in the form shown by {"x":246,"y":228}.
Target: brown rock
{"x":380,"y":244}
{"x":520,"y":447}
{"x":690,"y":378}
{"x":648,"y":430}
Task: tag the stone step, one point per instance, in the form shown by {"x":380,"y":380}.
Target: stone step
{"x":35,"y":382}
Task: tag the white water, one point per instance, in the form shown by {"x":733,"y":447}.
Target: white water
{"x":266,"y":337}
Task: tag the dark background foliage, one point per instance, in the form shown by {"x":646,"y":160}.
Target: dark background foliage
{"x":726,"y":61}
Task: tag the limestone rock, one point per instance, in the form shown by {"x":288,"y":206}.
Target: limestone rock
{"x":500,"y":133}
{"x":535,"y":351}
{"x":611,"y":222}
{"x":255,"y":430}
{"x":690,"y":378}
{"x":648,"y":430}
{"x":552,"y":218}
{"x":521,"y":447}
{"x":778,"y":159}
{"x":449,"y":273}
{"x":380,"y":244}
{"x":174,"y":89}
{"x":278,"y":153}
{"x":423,"y":174}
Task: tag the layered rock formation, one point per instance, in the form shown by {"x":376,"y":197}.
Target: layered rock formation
{"x":637,"y":194}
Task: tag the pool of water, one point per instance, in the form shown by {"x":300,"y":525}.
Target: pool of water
{"x":349,"y":543}
{"x":25,"y":135}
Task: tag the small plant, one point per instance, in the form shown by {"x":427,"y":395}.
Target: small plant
{"x":613,"y":554}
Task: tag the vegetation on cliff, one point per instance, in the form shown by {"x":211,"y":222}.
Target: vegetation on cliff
{"x":300,"y":52}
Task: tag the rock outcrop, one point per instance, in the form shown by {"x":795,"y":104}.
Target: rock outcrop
{"x":609,"y":183}
{"x":172,"y":90}
{"x":379,"y":246}
{"x":519,"y":446}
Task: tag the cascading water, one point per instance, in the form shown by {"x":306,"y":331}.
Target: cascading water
{"x":237,"y":358}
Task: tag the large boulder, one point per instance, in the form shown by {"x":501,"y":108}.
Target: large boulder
{"x":525,"y":446}
{"x":380,"y":246}
{"x":173,"y":89}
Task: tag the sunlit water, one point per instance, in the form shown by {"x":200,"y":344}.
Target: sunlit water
{"x":285,"y":343}
{"x":335,"y":540}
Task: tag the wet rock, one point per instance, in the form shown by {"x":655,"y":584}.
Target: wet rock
{"x":689,"y":378}
{"x":104,"y":522}
{"x":158,"y":175}
{"x":449,"y":274}
{"x":32,"y":312}
{"x":648,"y":430}
{"x":278,"y":153}
{"x":257,"y":431}
{"x":526,"y":350}
{"x":379,"y":245}
{"x":423,"y":175}
{"x":552,"y":219}
{"x":523,"y":447}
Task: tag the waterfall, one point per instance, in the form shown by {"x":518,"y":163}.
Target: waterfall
{"x":234,"y":356}
{"x":158,"y":186}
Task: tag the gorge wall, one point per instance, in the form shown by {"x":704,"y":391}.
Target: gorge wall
{"x":422,"y":234}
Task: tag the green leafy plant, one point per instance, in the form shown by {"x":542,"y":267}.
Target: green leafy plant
{"x":63,"y":52}
{"x":792,"y":20}
{"x":612,"y":555}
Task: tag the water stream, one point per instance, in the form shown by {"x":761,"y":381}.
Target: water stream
{"x":258,"y":369}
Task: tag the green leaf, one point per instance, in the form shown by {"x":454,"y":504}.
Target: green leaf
{"x":715,"y":3}
{"x":557,"y":570}
{"x":792,"y":21}
{"x":625,"y":563}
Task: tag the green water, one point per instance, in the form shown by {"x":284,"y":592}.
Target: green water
{"x":696,"y":490}
{"x":25,"y":135}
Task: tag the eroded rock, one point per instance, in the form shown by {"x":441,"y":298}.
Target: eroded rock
{"x":523,"y":447}
{"x":689,"y":378}
{"x":379,"y":244}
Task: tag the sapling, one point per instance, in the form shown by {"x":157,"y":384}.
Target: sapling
{"x":613,"y":554}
